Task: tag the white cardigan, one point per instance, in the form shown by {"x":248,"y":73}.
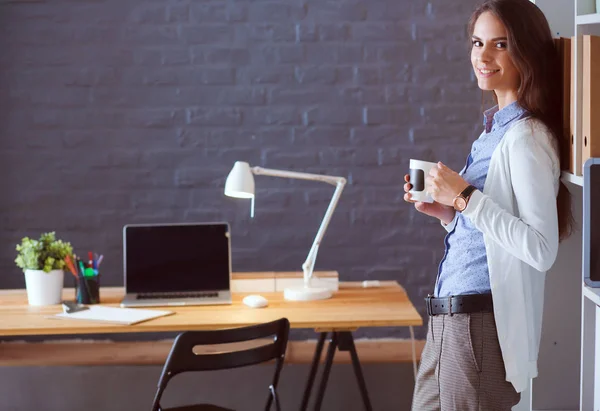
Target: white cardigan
{"x":518,"y":218}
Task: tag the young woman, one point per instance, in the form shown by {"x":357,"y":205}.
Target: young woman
{"x":505,"y":213}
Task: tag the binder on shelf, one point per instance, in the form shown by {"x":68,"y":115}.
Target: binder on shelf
{"x":590,"y":115}
{"x":572,"y":134}
{"x":564,"y":51}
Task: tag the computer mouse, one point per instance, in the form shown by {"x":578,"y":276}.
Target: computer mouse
{"x":255,"y":301}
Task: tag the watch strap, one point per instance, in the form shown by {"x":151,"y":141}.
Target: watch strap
{"x":466,"y":193}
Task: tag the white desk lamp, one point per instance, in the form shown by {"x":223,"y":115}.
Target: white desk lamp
{"x":240,"y":184}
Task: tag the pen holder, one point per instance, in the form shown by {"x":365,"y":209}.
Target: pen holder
{"x":87,"y":290}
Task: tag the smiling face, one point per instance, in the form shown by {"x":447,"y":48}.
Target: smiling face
{"x":491,"y":61}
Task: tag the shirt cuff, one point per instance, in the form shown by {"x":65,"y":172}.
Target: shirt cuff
{"x":450,"y":226}
{"x":473,"y":204}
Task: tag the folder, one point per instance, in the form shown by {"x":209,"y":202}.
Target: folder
{"x":590,"y":121}
{"x":572,"y":169}
{"x":565,"y":152}
{"x":563,"y":48}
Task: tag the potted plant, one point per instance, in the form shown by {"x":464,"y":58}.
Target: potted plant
{"x":43,"y":263}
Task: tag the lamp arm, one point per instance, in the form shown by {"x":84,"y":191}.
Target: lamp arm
{"x":338,"y":182}
{"x":309,"y":264}
{"x":293,"y":174}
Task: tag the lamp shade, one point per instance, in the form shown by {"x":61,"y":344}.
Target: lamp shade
{"x":240,"y":181}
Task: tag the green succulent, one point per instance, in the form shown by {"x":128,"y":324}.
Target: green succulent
{"x":45,"y":254}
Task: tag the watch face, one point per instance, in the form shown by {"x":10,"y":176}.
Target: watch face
{"x":460,"y":204}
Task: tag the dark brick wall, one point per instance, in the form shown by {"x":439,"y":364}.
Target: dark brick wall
{"x":130,"y":111}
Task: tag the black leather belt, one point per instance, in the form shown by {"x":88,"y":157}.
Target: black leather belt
{"x":457,"y":304}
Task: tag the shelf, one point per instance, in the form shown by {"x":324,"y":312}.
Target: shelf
{"x":588,"y":19}
{"x":592,"y":293}
{"x":570,"y":178}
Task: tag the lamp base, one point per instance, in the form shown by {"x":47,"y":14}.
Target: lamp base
{"x":306,"y":293}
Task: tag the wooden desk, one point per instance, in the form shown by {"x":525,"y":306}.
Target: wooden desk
{"x":350,"y":308}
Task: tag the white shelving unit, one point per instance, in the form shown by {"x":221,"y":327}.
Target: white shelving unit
{"x":572,"y":179}
{"x":558,"y":385}
{"x":592,"y":293}
{"x":587,"y":21}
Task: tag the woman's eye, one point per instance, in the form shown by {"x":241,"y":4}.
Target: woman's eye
{"x":477,"y":43}
{"x":501,"y":45}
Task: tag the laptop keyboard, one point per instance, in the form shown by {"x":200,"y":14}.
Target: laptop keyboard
{"x":175,"y":295}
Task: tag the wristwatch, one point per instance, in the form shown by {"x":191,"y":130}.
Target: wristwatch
{"x":461,"y":200}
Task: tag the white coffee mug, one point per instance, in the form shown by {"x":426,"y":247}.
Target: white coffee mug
{"x":419,"y":170}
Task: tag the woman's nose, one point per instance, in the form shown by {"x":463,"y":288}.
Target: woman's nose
{"x":484,"y":55}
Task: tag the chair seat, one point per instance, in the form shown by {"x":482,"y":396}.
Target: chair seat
{"x":198,"y":407}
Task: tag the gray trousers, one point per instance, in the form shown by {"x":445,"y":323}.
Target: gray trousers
{"x":461,"y":367}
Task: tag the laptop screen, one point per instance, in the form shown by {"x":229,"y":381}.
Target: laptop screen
{"x":176,"y":257}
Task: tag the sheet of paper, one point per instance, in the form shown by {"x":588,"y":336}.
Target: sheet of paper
{"x":115,"y":315}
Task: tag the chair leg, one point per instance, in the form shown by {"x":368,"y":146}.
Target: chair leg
{"x":273,"y":386}
{"x":157,"y":396}
{"x":275,"y":398}
{"x":270,"y":398}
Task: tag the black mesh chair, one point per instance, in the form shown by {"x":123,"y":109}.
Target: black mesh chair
{"x":183,"y":359}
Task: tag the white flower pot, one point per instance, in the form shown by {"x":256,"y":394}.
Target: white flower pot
{"x":44,"y":288}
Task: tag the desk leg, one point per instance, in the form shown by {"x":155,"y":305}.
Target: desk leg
{"x":313,"y":371}
{"x":347,"y":344}
{"x":328,"y":362}
{"x":343,"y":341}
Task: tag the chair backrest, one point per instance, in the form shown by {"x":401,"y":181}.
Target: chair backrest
{"x":183,"y":359}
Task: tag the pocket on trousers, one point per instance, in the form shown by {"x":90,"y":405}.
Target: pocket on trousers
{"x":475,"y":334}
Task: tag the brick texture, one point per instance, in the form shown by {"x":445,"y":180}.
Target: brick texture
{"x":131,"y":111}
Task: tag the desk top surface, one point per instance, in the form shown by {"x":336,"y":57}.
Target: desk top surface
{"x":350,"y":308}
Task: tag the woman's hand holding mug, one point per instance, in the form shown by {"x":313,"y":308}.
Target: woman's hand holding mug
{"x":435,"y":209}
{"x":436,"y":187}
{"x":444,"y":184}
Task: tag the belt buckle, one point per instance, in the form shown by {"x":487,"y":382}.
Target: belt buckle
{"x":428,"y":305}
{"x":450,"y":305}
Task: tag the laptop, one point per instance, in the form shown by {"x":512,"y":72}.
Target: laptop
{"x":176,"y":264}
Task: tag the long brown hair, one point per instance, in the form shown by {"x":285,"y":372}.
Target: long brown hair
{"x":532,"y":49}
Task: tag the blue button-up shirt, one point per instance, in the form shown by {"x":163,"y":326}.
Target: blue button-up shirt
{"x":463,"y":269}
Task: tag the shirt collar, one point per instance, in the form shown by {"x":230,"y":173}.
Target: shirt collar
{"x":501,"y":117}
